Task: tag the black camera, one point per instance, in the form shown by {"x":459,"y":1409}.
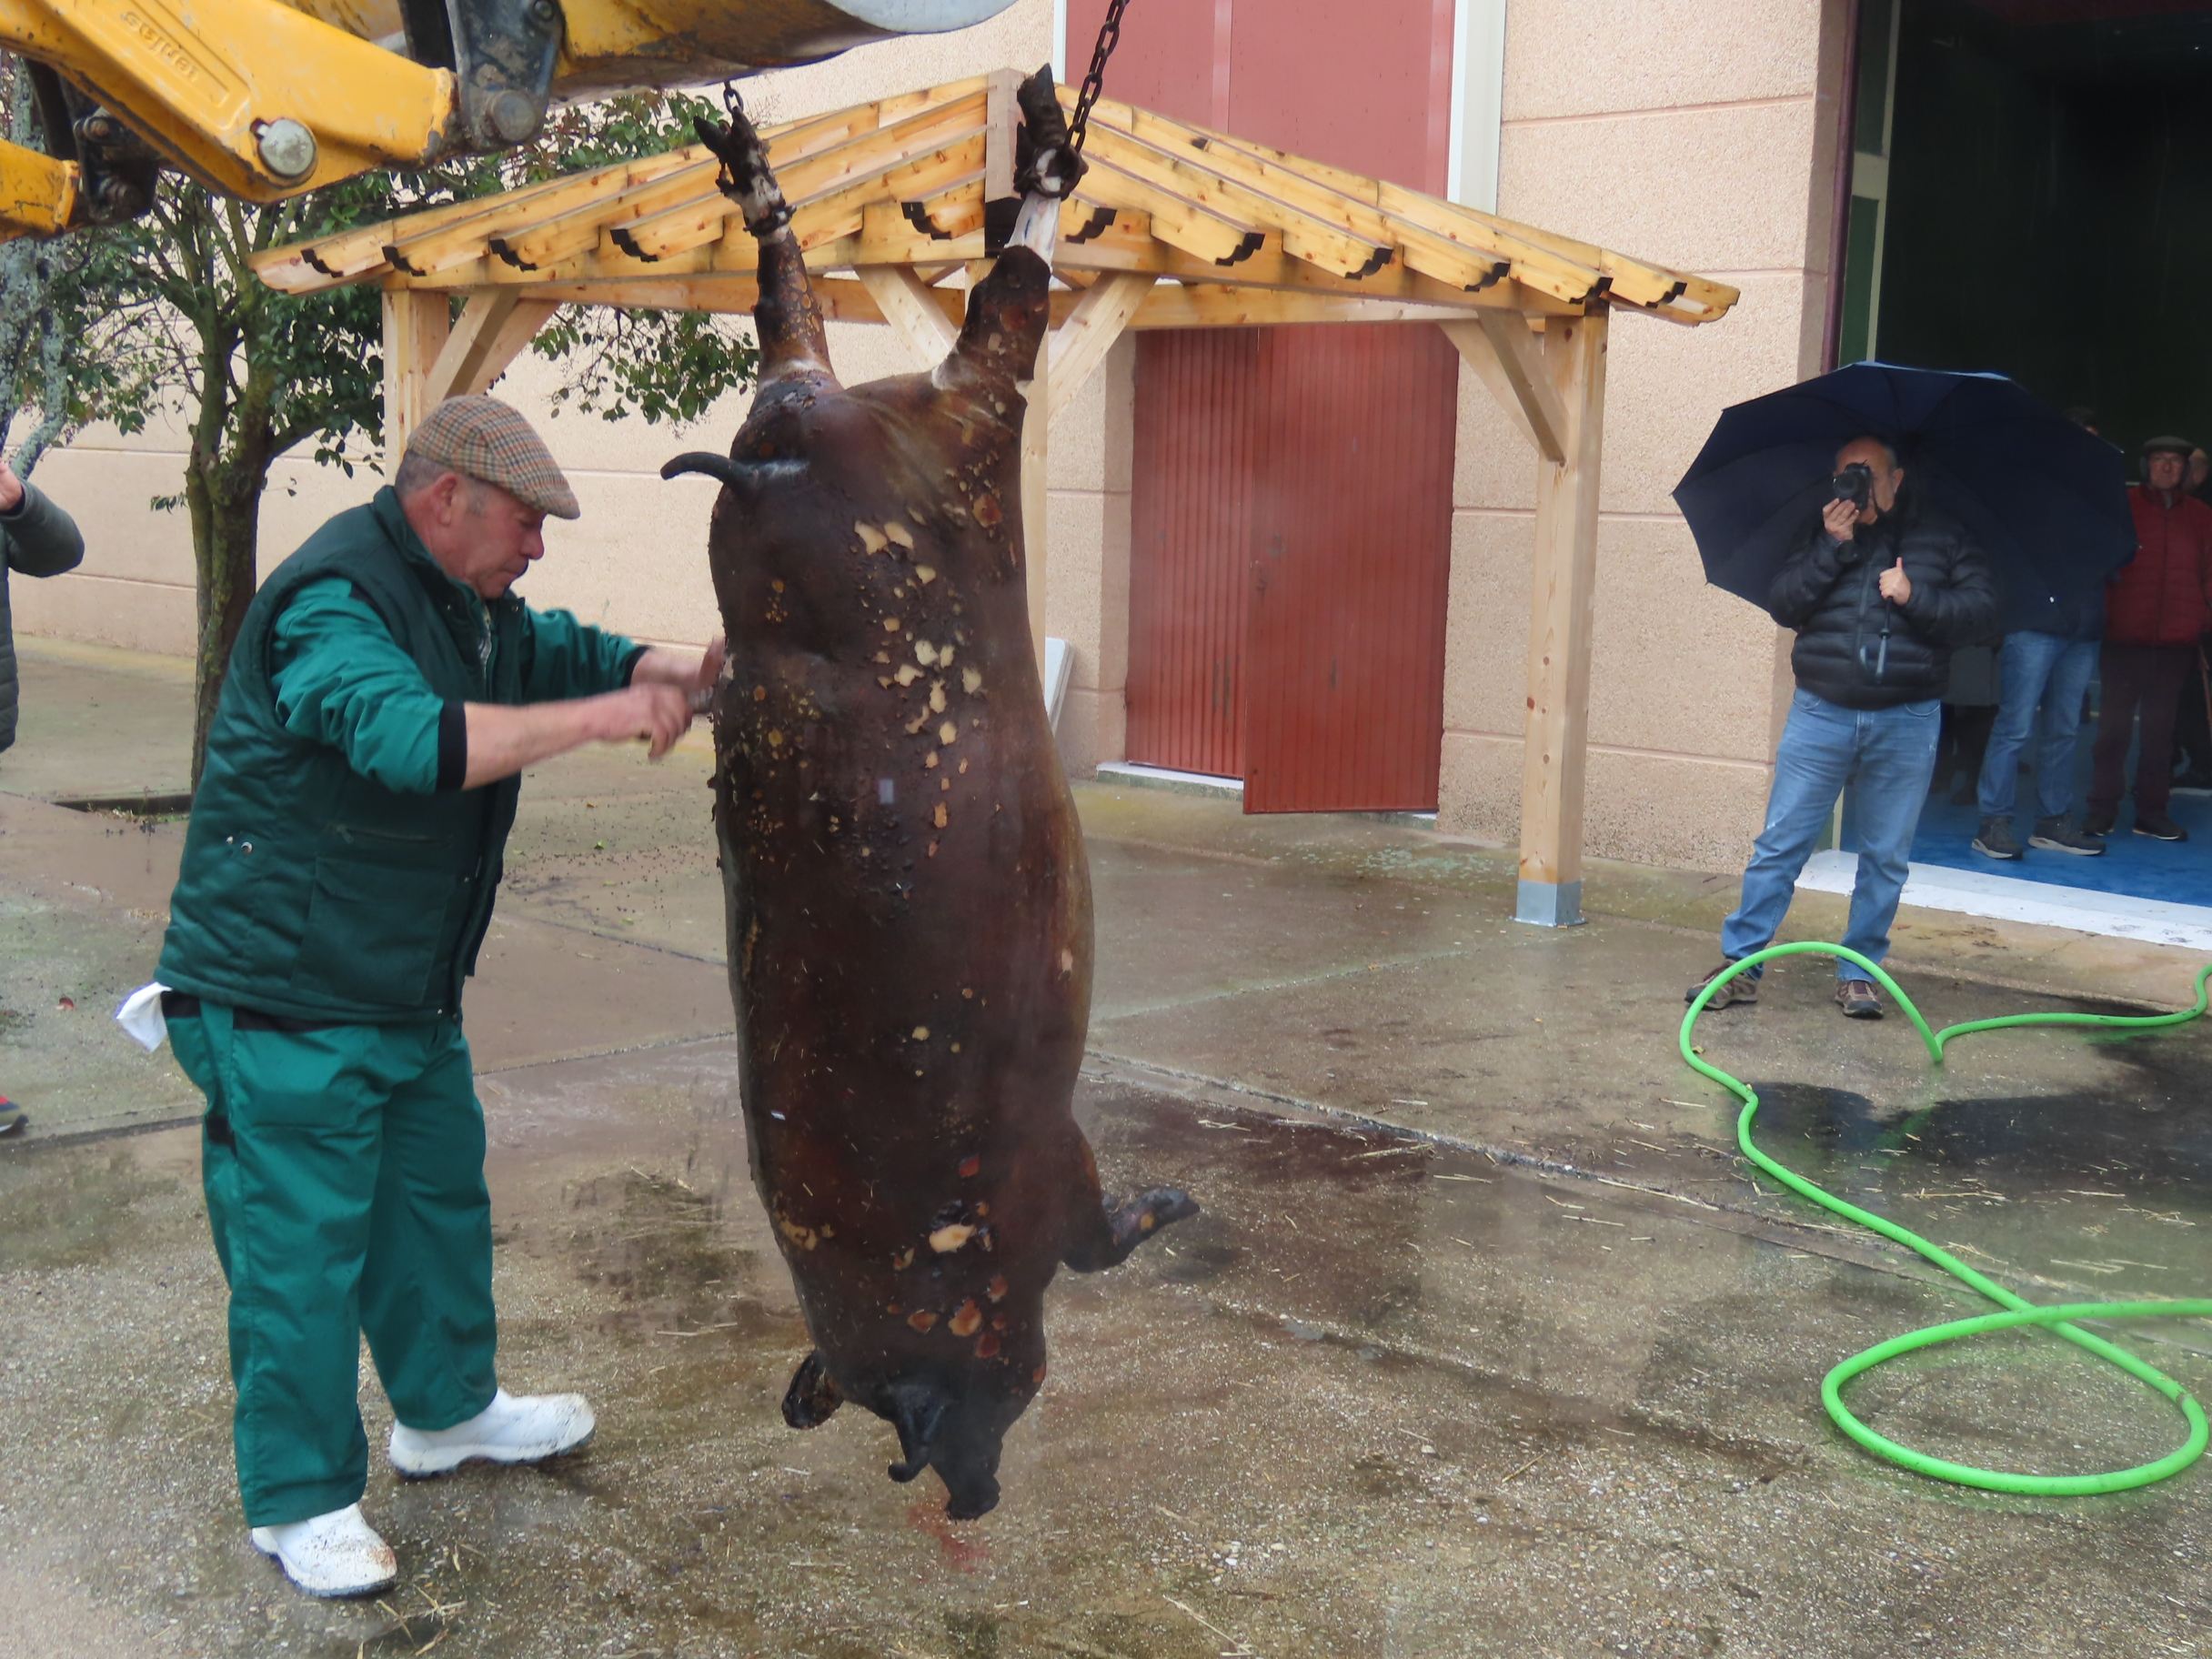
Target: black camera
{"x":1853,"y":483}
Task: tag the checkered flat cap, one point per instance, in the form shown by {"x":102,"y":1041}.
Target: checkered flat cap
{"x":488,"y":441}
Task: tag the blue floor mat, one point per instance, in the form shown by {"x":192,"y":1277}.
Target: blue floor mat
{"x":2176,"y":872}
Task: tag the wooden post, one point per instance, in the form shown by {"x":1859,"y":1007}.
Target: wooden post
{"x":1560,"y":608}
{"x":417,"y":322}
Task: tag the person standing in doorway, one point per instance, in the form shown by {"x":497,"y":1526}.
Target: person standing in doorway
{"x":1879,"y":592}
{"x":2046,"y":661}
{"x":2193,"y":714}
{"x":2157,"y":606}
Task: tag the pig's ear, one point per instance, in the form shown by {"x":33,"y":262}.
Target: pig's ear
{"x":812,"y":1396}
{"x":917,"y":1410}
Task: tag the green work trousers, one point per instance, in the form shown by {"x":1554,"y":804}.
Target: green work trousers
{"x":344,"y":1169}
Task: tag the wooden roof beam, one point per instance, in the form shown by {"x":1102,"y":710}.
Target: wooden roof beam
{"x":1173,"y":305}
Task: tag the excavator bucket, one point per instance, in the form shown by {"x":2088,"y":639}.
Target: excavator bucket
{"x":265,"y":98}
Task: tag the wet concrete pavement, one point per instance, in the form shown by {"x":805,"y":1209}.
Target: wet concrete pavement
{"x":1485,"y":1343}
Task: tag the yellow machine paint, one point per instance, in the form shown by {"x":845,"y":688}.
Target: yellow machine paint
{"x":265,"y":98}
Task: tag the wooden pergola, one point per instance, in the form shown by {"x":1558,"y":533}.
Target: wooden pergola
{"x":901,"y":202}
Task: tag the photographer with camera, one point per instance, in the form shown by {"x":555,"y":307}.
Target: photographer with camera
{"x":1879,"y":592}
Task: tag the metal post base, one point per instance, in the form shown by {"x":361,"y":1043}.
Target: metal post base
{"x":1550,"y":904}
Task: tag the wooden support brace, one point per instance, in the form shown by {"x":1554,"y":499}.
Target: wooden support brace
{"x":1505,"y":355}
{"x":1561,"y":612}
{"x":490,"y":332}
{"x":916,"y":314}
{"x":1080,"y":344}
{"x":417,"y":322}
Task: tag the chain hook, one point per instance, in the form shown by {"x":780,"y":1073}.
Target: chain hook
{"x":1109,"y":37}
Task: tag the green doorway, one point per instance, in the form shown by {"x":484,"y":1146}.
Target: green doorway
{"x":2031,"y":193}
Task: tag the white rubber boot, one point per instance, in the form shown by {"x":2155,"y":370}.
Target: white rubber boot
{"x":513,"y":1429}
{"x":335,"y":1555}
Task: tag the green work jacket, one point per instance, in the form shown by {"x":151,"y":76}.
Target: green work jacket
{"x":313,"y":886}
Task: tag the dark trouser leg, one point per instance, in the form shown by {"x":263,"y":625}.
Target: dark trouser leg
{"x":2168,"y":667}
{"x":2123,"y":669}
{"x":2193,"y":723}
{"x":426,"y":1295}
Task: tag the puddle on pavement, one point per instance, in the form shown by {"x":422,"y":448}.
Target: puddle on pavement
{"x":663,"y":1248}
{"x":71,"y":1211}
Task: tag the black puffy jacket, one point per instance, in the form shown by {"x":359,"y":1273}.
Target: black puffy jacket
{"x":36,"y":540}
{"x":1853,"y":647}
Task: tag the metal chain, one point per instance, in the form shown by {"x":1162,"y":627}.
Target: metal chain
{"x":1109,"y":37}
{"x":731,"y":103}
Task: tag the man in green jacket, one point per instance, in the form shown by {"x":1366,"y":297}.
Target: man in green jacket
{"x":386,"y":691}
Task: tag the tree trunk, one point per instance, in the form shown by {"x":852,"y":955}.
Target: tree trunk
{"x":225,"y":536}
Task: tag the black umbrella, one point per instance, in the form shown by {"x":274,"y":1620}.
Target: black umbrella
{"x":2046,"y":500}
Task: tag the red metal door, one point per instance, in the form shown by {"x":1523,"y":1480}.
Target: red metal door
{"x":1290,"y":554}
{"x":1190,"y":548}
{"x":1351,"y":567}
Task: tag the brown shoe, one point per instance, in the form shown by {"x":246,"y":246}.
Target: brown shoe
{"x":1857,"y":998}
{"x":1741,"y":990}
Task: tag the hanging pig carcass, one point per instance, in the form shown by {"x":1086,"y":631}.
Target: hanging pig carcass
{"x":909,"y":903}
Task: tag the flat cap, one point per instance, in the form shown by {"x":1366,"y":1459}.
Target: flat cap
{"x":2168,"y":445}
{"x":488,"y":441}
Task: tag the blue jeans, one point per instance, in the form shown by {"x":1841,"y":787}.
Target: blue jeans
{"x":2038,"y":669}
{"x":1886,"y":756}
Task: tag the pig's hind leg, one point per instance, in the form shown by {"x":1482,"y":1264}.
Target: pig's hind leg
{"x":1105,"y":1233}
{"x":792,"y":336}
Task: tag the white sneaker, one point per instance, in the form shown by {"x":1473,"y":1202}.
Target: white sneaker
{"x":338,"y":1553}
{"x":513,"y":1429}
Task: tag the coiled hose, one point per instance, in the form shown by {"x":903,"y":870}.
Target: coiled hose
{"x":2018,"y":1310}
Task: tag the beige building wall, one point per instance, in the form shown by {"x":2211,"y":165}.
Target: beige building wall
{"x":1706,"y":149}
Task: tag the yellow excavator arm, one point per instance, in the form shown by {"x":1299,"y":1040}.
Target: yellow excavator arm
{"x":265,"y":98}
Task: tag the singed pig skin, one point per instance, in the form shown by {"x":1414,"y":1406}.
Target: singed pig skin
{"x":909,"y":901}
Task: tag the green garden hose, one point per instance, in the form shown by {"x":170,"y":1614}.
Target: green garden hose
{"x":2018,"y":1310}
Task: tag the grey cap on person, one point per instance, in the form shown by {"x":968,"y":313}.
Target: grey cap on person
{"x":2168,"y":445}
{"x":485,"y":439}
